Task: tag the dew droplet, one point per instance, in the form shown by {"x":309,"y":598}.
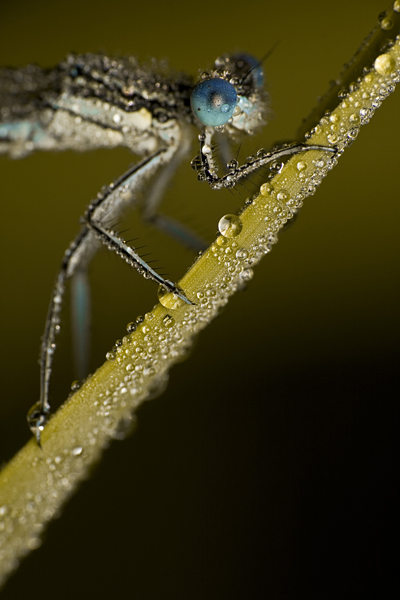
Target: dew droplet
{"x":396,"y":6}
{"x":386,"y":23}
{"x":354,"y":118}
{"x":242,"y":254}
{"x":131,"y":327}
{"x":34,"y":543}
{"x":301,"y":165}
{"x":110,"y":356}
{"x":384,"y":64}
{"x":77,"y":451}
{"x":169,"y":299}
{"x":230,"y":226}
{"x":246,"y":274}
{"x":221,"y":241}
{"x":266,"y":189}
{"x":282,"y":196}
{"x":75,"y":385}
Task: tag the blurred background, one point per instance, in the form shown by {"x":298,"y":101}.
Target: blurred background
{"x":268,"y":468}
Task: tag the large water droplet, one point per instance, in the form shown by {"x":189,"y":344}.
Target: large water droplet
{"x":384,"y":64}
{"x":230,"y":226}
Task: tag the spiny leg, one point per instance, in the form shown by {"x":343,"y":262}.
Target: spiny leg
{"x":109,"y":204}
{"x":113,"y":241}
{"x":205,"y":163}
{"x":39,"y":413}
{"x":97,"y":211}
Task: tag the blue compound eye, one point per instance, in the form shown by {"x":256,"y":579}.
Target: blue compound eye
{"x":213,"y":101}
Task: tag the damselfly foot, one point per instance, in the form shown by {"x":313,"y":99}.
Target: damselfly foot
{"x":37,"y":419}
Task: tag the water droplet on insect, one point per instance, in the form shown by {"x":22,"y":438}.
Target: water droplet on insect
{"x":384,"y":64}
{"x":110,"y":356}
{"x":36,"y":418}
{"x":230,"y":226}
{"x":276,"y":166}
{"x":169,"y":299}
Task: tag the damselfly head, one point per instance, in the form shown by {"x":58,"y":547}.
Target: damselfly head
{"x":231,"y":96}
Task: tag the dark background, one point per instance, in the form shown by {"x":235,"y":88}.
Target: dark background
{"x":268,"y":468}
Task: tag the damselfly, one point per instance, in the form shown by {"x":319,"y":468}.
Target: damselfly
{"x":94,"y":101}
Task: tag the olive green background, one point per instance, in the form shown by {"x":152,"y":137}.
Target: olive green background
{"x":268,"y":467}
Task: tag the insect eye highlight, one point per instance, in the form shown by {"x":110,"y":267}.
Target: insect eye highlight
{"x":213,"y":101}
